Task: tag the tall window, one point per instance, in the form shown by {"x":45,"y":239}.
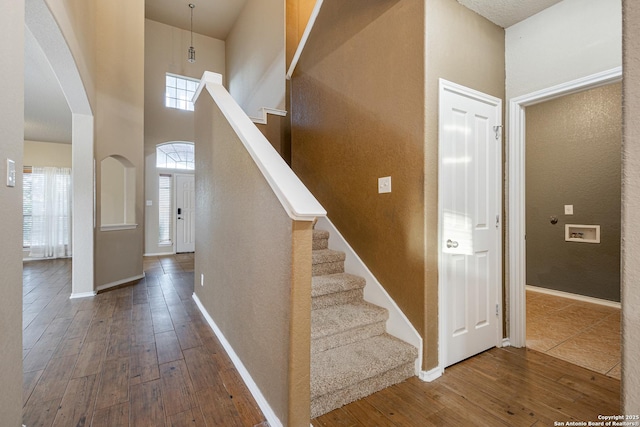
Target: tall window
{"x":180,"y":91}
{"x":27,"y":209}
{"x":175,"y":155}
{"x":165,"y":209}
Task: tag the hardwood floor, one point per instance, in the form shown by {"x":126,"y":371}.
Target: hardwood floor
{"x":501,"y":387}
{"x":137,"y":356}
{"x":144,"y":356}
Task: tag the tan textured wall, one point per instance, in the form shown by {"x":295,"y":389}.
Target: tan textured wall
{"x":119,"y":129}
{"x":38,"y":153}
{"x":165,"y":52}
{"x":467,"y":49}
{"x":573,"y":158}
{"x":358,"y":114}
{"x":244,"y":250}
{"x":12,"y":131}
{"x":631,"y":210}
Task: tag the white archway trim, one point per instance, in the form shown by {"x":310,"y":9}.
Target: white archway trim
{"x":516,"y":191}
{"x":44,"y":28}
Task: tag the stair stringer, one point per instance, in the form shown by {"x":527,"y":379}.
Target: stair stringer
{"x":397,"y":324}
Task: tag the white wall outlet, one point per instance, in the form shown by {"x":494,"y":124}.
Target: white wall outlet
{"x":384,"y":184}
{"x":201,"y":279}
{"x":11,"y":173}
{"x":568,"y":209}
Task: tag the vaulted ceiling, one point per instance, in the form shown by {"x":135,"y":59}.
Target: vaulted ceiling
{"x":48,"y":118}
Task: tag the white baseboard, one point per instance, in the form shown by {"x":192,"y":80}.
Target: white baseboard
{"x":83,"y":295}
{"x":506,"y":342}
{"x":160,"y":254}
{"x":576,"y":297}
{"x":120,"y":282}
{"x":272,"y":419}
{"x":431,"y":375}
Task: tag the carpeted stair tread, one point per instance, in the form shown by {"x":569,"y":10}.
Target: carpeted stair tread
{"x":323,"y":256}
{"x":332,"y":283}
{"x":320,"y":239}
{"x":339,"y":318}
{"x":348,"y":365}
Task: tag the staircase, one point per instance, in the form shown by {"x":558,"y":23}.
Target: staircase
{"x":352,"y":356}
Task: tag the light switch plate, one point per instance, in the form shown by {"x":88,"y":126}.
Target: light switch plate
{"x":568,"y":209}
{"x":11,"y":173}
{"x":384,"y":184}
{"x":149,"y":202}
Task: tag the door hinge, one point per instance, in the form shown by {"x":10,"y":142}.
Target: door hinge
{"x":497,"y":130}
{"x":497,"y":310}
{"x":498,"y":221}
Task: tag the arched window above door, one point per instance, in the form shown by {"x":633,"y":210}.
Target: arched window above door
{"x":175,"y":155}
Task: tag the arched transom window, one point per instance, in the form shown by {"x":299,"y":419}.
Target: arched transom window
{"x":175,"y":155}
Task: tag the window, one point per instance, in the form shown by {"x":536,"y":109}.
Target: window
{"x":164,"y":209}
{"x":27,"y":209}
{"x":180,"y":91}
{"x":175,"y":155}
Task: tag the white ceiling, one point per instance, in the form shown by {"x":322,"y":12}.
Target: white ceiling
{"x":47,"y":115}
{"x":505,"y":13}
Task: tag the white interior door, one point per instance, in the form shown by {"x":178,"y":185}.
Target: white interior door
{"x":185,"y":214}
{"x":469,"y":218}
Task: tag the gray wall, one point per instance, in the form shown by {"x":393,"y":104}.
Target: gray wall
{"x":573,"y":158}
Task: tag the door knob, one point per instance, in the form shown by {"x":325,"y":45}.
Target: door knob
{"x":452,"y":244}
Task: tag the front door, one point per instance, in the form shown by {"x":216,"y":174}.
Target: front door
{"x":470,"y":152}
{"x":185,"y":214}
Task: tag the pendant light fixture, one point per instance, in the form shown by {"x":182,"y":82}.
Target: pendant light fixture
{"x":192,"y":51}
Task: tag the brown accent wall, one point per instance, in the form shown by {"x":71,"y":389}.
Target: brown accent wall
{"x":297,"y":16}
{"x":277,"y":131}
{"x":119,"y":127}
{"x":467,"y":49}
{"x":12,"y":131}
{"x":631,"y":209}
{"x":573,"y":158}
{"x":256,"y":287}
{"x":358,"y":114}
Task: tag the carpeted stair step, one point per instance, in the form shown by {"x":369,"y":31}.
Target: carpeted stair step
{"x":348,"y":373}
{"x":333,"y":289}
{"x":344,"y":324}
{"x":327,"y":261}
{"x":320,"y":239}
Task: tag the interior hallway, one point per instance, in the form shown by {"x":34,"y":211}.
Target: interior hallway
{"x":582,"y":333}
{"x":144,"y":356}
{"x":140,"y":355}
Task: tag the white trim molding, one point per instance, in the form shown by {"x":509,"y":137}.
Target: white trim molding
{"x":118,"y":227}
{"x":271,"y":417}
{"x":576,"y":297}
{"x":432,"y":374}
{"x":305,"y":36}
{"x":82,"y":295}
{"x":262,"y":120}
{"x":120,"y":282}
{"x":160,"y":254}
{"x":516,"y":190}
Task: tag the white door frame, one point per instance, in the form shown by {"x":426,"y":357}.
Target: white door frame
{"x":516,"y":191}
{"x":442,"y":309}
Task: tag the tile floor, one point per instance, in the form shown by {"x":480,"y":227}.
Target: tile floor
{"x":582,"y":333}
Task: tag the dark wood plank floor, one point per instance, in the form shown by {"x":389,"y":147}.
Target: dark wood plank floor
{"x":144,"y":356}
{"x":501,"y":387}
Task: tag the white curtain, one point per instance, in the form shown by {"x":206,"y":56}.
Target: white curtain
{"x":51,"y":203}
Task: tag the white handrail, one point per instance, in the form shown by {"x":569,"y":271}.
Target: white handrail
{"x":296,"y":199}
{"x":305,"y":36}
